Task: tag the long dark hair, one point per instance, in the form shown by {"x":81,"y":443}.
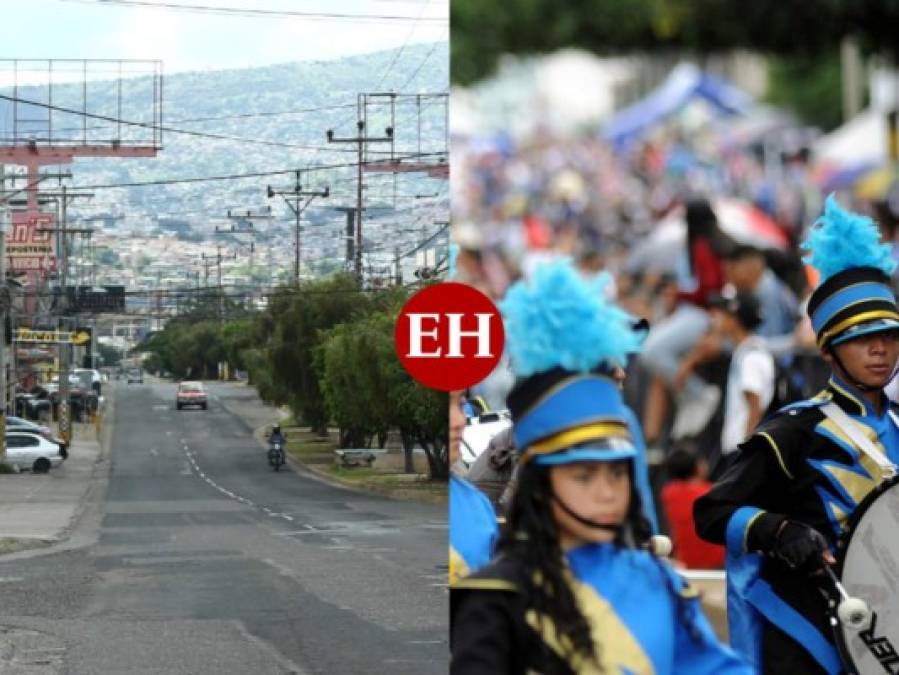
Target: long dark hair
{"x":531,"y":536}
{"x":702,"y":223}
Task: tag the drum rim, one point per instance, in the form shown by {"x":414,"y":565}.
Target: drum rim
{"x":842,"y":543}
{"x":842,"y":547}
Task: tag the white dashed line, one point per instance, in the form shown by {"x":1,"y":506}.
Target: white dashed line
{"x":192,"y":462}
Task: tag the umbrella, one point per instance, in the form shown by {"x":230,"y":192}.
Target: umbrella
{"x":875,"y":185}
{"x":745,"y":223}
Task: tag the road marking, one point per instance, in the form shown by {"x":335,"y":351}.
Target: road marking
{"x":154,"y":452}
{"x":11,"y":580}
{"x":192,"y":466}
{"x":297,"y":533}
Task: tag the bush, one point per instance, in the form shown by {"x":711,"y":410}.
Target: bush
{"x":6,"y":468}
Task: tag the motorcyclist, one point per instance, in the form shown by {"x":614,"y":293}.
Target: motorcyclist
{"x":276,"y":436}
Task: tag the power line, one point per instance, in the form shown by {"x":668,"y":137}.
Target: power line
{"x":261,"y":13}
{"x":174,"y":130}
{"x":237,"y":116}
{"x":238,"y":176}
{"x":421,"y":65}
{"x":426,"y":241}
{"x":399,"y":52}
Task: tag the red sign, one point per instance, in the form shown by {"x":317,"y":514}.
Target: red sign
{"x":29,"y":244}
{"x":449,"y":336}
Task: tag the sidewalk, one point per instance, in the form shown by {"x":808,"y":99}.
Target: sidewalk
{"x":39,"y":509}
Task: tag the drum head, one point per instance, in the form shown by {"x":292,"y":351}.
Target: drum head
{"x":870,"y":571}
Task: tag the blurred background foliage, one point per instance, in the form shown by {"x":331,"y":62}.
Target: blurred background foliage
{"x":802,"y":39}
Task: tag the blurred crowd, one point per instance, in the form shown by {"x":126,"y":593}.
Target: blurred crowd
{"x":701,"y":233}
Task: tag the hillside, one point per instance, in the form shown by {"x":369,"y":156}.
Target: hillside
{"x":289,"y":104}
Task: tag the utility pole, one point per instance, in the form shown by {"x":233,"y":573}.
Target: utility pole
{"x":297,"y":194}
{"x":248,"y":217}
{"x":65,"y":354}
{"x":361,"y":141}
{"x":349,"y":234}
{"x":209,"y":261}
{"x":4,"y":309}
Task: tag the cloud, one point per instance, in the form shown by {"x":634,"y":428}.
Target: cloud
{"x":202,"y":41}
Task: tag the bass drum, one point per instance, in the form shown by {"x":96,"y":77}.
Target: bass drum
{"x":868,"y":566}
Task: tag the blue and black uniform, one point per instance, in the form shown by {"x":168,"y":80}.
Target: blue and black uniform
{"x":798,"y":479}
{"x":473,"y":529}
{"x":801,"y":465}
{"x":644,"y":617}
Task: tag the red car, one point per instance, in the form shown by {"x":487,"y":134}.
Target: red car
{"x":190,"y":393}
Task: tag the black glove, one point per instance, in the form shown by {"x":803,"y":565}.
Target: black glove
{"x":801,"y":547}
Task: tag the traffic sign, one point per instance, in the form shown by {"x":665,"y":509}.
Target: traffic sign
{"x":30,"y":335}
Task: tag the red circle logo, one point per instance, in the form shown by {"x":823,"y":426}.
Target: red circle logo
{"x":449,"y":336}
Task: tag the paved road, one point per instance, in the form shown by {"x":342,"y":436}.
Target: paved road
{"x":207,"y":561}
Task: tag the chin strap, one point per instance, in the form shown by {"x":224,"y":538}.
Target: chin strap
{"x":658,"y":544}
{"x":585,"y":521}
{"x":855,"y":383}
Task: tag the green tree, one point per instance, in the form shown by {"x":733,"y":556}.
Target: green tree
{"x":367,"y":388}
{"x":810,"y":86}
{"x":187,"y":350}
{"x":483,"y":30}
{"x":294,"y":323}
{"x":352,"y":383}
{"x":237,"y":338}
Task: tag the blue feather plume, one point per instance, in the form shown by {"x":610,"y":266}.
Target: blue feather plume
{"x":561,"y":319}
{"x":840,"y":240}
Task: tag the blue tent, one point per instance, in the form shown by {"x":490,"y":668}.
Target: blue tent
{"x":685,"y":83}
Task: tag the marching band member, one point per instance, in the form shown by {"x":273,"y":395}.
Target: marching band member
{"x":796,"y":481}
{"x":473,"y":528}
{"x":574,"y":587}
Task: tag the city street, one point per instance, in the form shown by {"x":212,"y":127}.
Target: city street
{"x":202,"y":559}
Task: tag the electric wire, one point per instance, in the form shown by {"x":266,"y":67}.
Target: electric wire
{"x":256,"y":12}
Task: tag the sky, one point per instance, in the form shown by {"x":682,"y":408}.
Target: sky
{"x":190,"y":40}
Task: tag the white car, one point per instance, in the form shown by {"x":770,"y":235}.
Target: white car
{"x":14,"y":423}
{"x":26,"y":449}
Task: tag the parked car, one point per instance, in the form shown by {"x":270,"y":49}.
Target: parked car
{"x":135,"y":375}
{"x":82,"y":402}
{"x":89,"y":378}
{"x":190,"y":393}
{"x":26,"y":449}
{"x":14,"y":423}
{"x":33,"y":406}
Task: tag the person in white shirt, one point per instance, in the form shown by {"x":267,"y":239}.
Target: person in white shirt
{"x":751,"y":376}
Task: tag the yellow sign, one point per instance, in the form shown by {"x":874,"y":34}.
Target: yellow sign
{"x":28,"y":335}
{"x":82,"y":337}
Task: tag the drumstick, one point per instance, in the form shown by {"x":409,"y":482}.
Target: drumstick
{"x":852,"y":612}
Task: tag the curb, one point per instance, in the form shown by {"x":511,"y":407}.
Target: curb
{"x":324,"y":477}
{"x":88,"y":501}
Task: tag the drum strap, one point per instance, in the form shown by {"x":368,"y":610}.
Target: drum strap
{"x":859,"y":439}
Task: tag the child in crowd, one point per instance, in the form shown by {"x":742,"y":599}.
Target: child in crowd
{"x":687,"y":482}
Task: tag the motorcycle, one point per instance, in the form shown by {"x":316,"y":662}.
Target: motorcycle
{"x":276,"y":456}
